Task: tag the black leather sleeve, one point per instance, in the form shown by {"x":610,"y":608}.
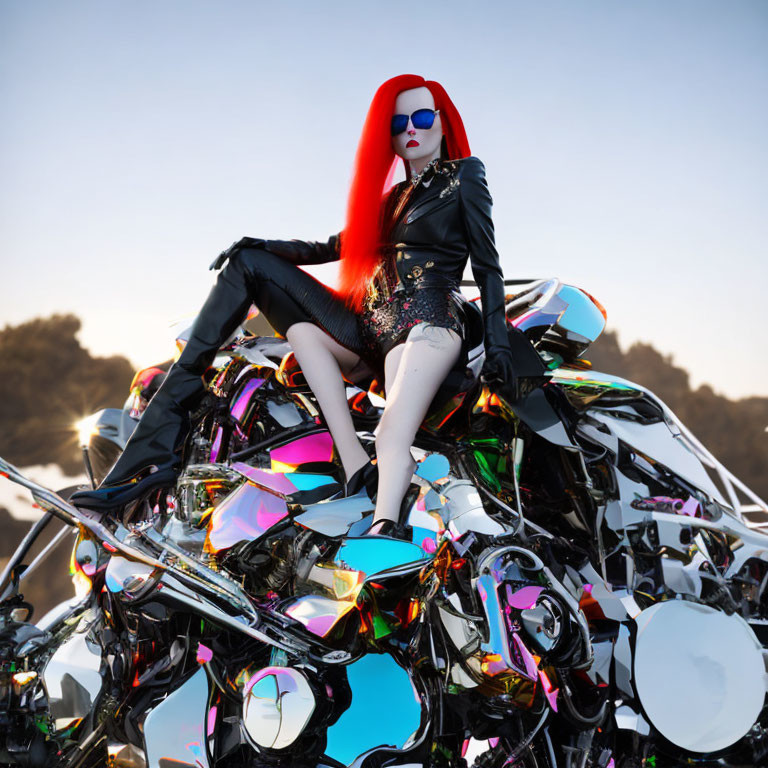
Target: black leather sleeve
{"x":476,"y":203}
{"x":300,"y":252}
{"x":303,"y":252}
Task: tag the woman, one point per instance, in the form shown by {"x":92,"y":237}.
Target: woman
{"x":398,"y":311}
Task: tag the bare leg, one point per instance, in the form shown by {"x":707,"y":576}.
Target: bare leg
{"x":414,"y":372}
{"x":322,"y":361}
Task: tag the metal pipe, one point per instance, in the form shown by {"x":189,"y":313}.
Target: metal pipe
{"x":21,"y":551}
{"x":43,"y":554}
{"x":88,"y":466}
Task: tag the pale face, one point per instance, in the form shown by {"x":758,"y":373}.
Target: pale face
{"x":419,"y":144}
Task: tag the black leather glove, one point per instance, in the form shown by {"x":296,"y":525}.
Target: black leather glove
{"x":243,"y":242}
{"x":498,"y":372}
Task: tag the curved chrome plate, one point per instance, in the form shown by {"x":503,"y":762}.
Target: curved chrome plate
{"x":174,"y":731}
{"x":277,"y":705}
{"x":699,"y":674}
{"x":72,"y":679}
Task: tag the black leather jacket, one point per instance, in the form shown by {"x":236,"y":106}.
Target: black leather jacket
{"x":436,"y":231}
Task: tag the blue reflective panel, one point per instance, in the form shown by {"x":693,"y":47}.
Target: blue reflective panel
{"x":434,"y":467}
{"x":420,"y":535}
{"x":581,"y":316}
{"x":371,"y":554}
{"x":384,"y":709}
{"x":309,"y":482}
{"x":535,"y":319}
{"x":266,"y":688}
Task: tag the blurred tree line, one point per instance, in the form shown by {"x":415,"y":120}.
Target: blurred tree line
{"x":47,"y":383}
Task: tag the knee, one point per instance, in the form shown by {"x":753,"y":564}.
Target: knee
{"x":303,"y":333}
{"x":253,"y":261}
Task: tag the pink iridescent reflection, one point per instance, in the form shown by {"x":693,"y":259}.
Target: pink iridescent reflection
{"x":318,"y":447}
{"x":549,"y":690}
{"x":240,"y":403}
{"x":524,"y":598}
{"x":244,"y":515}
{"x":272,"y":481}
{"x":319,"y":614}
{"x":204,"y":654}
{"x":216,"y":447}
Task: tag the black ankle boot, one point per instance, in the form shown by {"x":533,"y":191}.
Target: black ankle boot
{"x":152,"y":457}
{"x":390,"y":528}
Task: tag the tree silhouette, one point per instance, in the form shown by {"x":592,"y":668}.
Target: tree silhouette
{"x":47,"y":382}
{"x":733,"y":430}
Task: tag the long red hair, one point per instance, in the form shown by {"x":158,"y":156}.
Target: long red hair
{"x":374,"y":169}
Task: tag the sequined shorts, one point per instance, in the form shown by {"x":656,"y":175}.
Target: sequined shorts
{"x":389,"y":322}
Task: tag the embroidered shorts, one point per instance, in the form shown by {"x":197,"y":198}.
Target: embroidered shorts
{"x":389,"y":321}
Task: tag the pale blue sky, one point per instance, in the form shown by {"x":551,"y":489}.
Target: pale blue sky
{"x":625,"y":146}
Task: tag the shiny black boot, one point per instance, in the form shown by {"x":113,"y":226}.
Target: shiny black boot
{"x":153,"y":455}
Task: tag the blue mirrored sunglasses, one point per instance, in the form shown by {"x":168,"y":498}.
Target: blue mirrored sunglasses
{"x":421,"y":118}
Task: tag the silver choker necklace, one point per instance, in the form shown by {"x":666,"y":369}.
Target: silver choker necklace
{"x":416,"y":178}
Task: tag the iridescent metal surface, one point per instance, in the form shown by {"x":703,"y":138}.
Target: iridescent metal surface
{"x":277,"y":705}
{"x":175,"y":730}
{"x":127,"y":576}
{"x":578,"y":567}
{"x":319,"y":614}
{"x":304,"y":450}
{"x":373,"y":554}
{"x":73,"y":680}
{"x":247,"y":513}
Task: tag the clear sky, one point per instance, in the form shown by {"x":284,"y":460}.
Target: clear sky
{"x":625,"y":147}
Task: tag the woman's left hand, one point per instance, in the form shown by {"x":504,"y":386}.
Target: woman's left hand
{"x":499,"y":371}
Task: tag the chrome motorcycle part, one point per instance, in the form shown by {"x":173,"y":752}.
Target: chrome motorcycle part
{"x":599,"y":526}
{"x":465,"y":511}
{"x":334,"y":518}
{"x":560,"y":319}
{"x":699,"y":674}
{"x":72,"y":679}
{"x":244,"y":515}
{"x":128,"y":577}
{"x":175,"y":729}
{"x":199,"y":488}
{"x":317,"y":613}
{"x":277,"y":705}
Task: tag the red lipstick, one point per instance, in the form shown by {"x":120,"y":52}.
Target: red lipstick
{"x":412,"y":143}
